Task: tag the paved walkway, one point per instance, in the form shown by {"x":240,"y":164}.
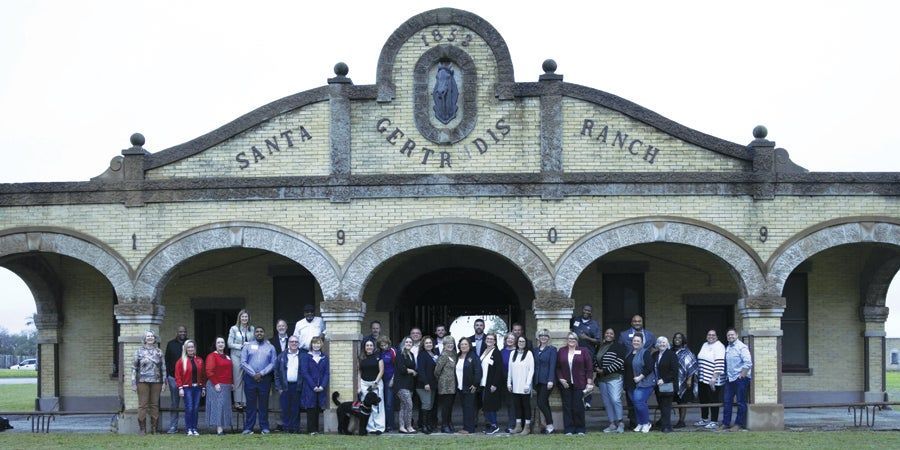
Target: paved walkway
{"x":795,"y":420}
{"x":18,"y":380}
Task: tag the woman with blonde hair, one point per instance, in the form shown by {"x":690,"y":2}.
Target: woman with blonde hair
{"x":405,"y":383}
{"x":147,"y":375}
{"x":191,"y":380}
{"x":239,"y":335}
{"x":445,"y":373}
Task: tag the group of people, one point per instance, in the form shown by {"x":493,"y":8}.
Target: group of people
{"x":237,"y":374}
{"x":639,"y":365}
{"x":484,"y":372}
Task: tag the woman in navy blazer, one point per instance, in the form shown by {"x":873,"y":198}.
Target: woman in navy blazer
{"x":666,"y":372}
{"x":575,"y":372}
{"x":468,"y":365}
{"x":314,"y":393}
{"x":544,"y":375}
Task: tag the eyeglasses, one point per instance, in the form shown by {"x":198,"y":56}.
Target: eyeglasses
{"x":573,"y":339}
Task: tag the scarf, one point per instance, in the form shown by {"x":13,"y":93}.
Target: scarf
{"x":687,"y":368}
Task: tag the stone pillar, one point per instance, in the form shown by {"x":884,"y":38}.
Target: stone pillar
{"x":873,"y":318}
{"x":554,"y":312}
{"x":134,"y":320}
{"x":761,"y":331}
{"x":48,"y":362}
{"x":343,"y":322}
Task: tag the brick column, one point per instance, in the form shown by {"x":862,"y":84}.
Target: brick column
{"x":873,"y":318}
{"x":553,"y":312}
{"x":134,"y":320}
{"x":761,"y":331}
{"x":343,"y":322}
{"x":48,"y":360}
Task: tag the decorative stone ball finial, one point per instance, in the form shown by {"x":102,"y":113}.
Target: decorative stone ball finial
{"x":760,"y":132}
{"x":137,"y":140}
{"x":549,"y":66}
{"x":341,"y":69}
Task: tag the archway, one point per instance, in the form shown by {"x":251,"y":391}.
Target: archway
{"x":436,"y":285}
{"x":742,"y":260}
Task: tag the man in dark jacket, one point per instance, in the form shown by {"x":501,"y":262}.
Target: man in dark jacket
{"x":173,"y":353}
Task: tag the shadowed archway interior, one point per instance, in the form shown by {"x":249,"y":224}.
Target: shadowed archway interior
{"x":435,"y":285}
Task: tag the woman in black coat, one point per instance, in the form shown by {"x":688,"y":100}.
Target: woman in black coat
{"x":469,"y":367}
{"x":494,"y":382}
{"x":405,"y":384}
{"x":667,"y":370}
{"x":426,"y":385}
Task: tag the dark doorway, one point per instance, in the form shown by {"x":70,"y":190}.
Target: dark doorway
{"x":210,"y":323}
{"x":439,"y":297}
{"x":289,"y":295}
{"x":701,"y":319}
{"x":623,"y":297}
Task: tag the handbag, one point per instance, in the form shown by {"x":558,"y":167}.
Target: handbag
{"x":667,"y":388}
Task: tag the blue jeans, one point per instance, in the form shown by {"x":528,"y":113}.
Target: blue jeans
{"x":737,"y":388}
{"x":257,"y":393}
{"x":290,"y":407}
{"x":639,"y":398}
{"x":191,"y":406}
{"x":388,"y":401}
{"x":175,"y":402}
{"x":491,"y":418}
{"x":611,"y":393}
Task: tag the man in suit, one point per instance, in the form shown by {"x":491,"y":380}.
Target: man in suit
{"x":280,"y":339}
{"x":637,"y":326}
{"x":280,"y":342}
{"x":477,"y":339}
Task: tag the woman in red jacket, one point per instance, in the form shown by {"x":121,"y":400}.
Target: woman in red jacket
{"x":575,"y":372}
{"x":218,"y":388}
{"x":191,"y":379}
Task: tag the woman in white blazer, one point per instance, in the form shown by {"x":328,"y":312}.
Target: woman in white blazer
{"x":519,"y":380}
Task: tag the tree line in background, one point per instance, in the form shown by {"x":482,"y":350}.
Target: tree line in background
{"x":23,"y":343}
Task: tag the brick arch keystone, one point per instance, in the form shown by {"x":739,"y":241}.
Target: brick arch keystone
{"x":428,"y":233}
{"x":155,"y":271}
{"x":743,"y":261}
{"x":788,"y":256}
{"x":73,"y":244}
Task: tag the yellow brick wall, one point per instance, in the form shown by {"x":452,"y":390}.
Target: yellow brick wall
{"x":834,"y":322}
{"x":86,"y":334}
{"x":586,"y":151}
{"x":518,"y":151}
{"x":308,"y":156}
{"x":361,"y":219}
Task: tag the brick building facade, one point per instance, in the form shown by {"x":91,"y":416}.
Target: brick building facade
{"x":520,"y":199}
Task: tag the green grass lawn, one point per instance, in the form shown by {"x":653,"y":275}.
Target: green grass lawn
{"x":17,"y":397}
{"x":9,"y":373}
{"x":893,"y":381}
{"x":792,"y":440}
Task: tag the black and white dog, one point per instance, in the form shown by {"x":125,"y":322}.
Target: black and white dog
{"x":360,"y":410}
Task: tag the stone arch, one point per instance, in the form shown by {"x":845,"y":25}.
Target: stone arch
{"x":451,"y":231}
{"x":75,"y":245}
{"x":155,"y":271}
{"x":743,"y":261}
{"x":803,"y":245}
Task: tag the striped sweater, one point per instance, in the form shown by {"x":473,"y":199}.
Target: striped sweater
{"x":712,"y":360}
{"x":611,"y":359}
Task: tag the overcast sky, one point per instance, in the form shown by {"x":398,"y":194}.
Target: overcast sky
{"x":77,"y":78}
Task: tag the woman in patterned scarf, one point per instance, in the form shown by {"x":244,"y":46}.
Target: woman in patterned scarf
{"x":687,"y":373}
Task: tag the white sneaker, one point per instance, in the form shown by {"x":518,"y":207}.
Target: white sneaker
{"x":611,"y":428}
{"x":646,"y":428}
{"x":638,"y":428}
{"x":711,"y":426}
{"x":701,"y":423}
